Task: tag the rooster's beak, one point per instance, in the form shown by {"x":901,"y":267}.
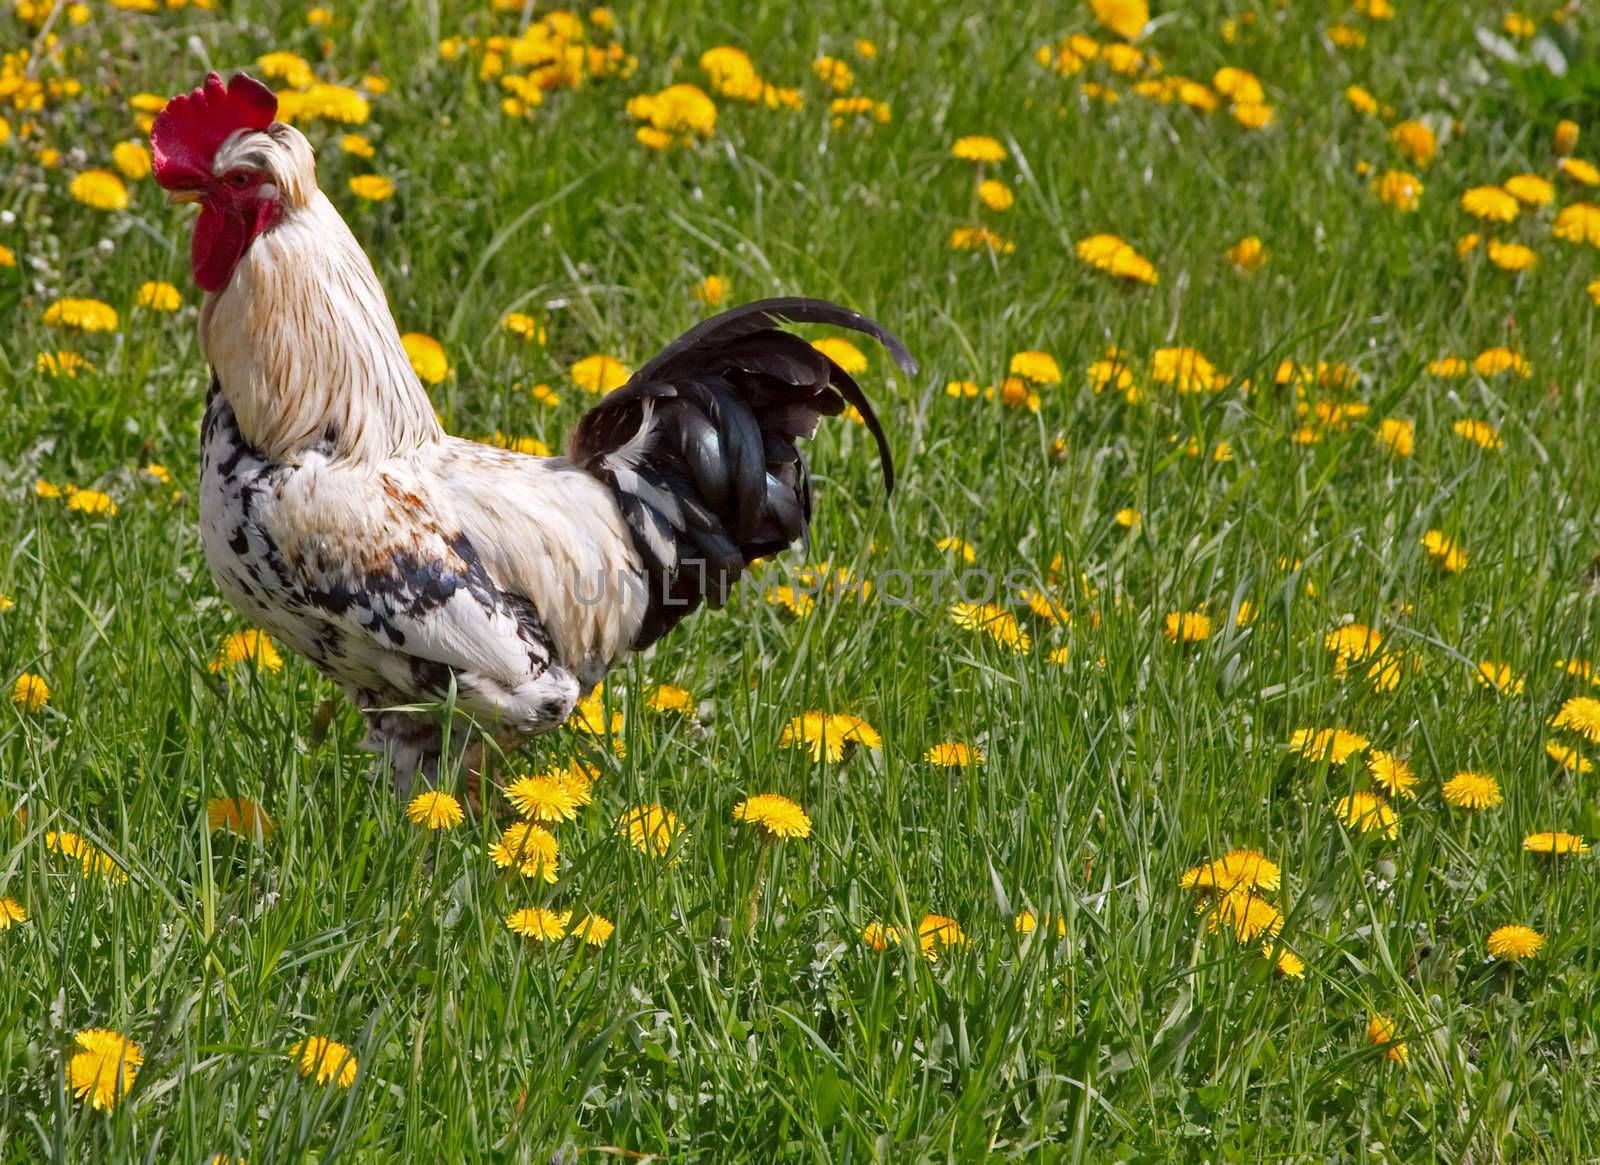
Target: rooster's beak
{"x":179,"y":197}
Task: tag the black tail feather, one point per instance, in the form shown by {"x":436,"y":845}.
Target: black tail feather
{"x":719,"y":480}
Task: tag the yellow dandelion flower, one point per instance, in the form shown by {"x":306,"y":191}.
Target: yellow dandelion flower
{"x":427,"y":357}
{"x":1246,"y":913}
{"x":1381,"y":1031}
{"x":1108,"y":253}
{"x":1286,"y":963}
{"x":1480,"y":433}
{"x":290,"y":68}
{"x":843,"y":353}
{"x":92,"y":502}
{"x":1241,"y":867}
{"x":1361,"y":101}
{"x":529,"y":849}
{"x":1469,"y":790}
{"x":980,"y":239}
{"x":324,"y":102}
{"x":1026,"y":922}
{"x":1445,"y":551}
{"x":797,"y":602}
{"x":835,"y":73}
{"x":132,"y":160}
{"x":880,"y":937}
{"x":712,"y":290}
{"x":953,"y":754}
{"x":594,"y":930}
{"x":938,"y":934}
{"x":8,"y":257}
{"x":1185,"y":368}
{"x":1514,"y":942}
{"x":1578,"y":223}
{"x":1125,"y":18}
{"x":1518,"y":25}
{"x":371,"y":187}
{"x":104,"y":1068}
{"x":1252,"y":114}
{"x":1368,"y":813}
{"x":600,"y":373}
{"x":324,"y":1060}
{"x":1579,"y":669}
{"x":1415,"y":143}
{"x":1248,"y":255}
{"x":1335,"y":744}
{"x":93,"y":860}
{"x":1555,"y":843}
{"x":87,"y":315}
{"x":60,"y":364}
{"x":827,"y":734}
{"x":650,"y":829}
{"x":1448,"y":367}
{"x":776,"y":816}
{"x":1346,"y":37}
{"x":435,"y":810}
{"x":996,"y":195}
{"x":978,"y":148}
{"x":1512,"y":256}
{"x":966,"y":550}
{"x":681,"y":110}
{"x":1397,"y":189}
{"x":666,"y":698}
{"x":1580,"y":714}
{"x":1187,"y":627}
{"x":1490,"y":203}
{"x":1581,"y":172}
{"x":1353,"y":643}
{"x":1392,"y":774}
{"x":1000,"y":624}
{"x":539,"y":924}
{"x":249,"y":646}
{"x":1567,"y":757}
{"x":1530,"y":189}
{"x":1386,"y":672}
{"x":524,"y":327}
{"x":100,"y":189}
{"x":1495,"y":674}
{"x":357,"y":145}
{"x":1039,"y":367}
{"x":543,"y":798}
{"x":30,"y":692}
{"x":12,"y":913}
{"x":239,"y":815}
{"x":1566,"y":136}
{"x":1397,"y":437}
{"x":158,"y":296}
{"x":1495,"y":361}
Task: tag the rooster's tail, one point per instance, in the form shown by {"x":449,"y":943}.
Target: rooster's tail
{"x":700,"y":447}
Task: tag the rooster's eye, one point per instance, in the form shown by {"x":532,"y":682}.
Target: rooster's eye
{"x":240,"y":179}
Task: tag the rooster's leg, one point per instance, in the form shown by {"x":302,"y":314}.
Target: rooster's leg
{"x":409,"y":745}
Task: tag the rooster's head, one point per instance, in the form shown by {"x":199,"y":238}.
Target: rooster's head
{"x":220,"y":147}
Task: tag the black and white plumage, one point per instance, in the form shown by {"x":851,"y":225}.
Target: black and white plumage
{"x":411,"y":566}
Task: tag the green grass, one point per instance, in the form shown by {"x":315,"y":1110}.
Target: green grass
{"x":1135,"y":1037}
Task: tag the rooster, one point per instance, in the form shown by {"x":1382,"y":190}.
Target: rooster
{"x":416,"y":568}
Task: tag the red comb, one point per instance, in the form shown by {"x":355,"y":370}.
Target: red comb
{"x":193,"y":126}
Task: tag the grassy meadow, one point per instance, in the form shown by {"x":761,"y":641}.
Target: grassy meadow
{"x":1169,"y":858}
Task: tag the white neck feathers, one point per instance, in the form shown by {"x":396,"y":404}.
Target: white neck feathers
{"x":305,"y":348}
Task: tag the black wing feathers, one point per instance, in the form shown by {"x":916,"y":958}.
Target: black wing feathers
{"x":718,"y":480}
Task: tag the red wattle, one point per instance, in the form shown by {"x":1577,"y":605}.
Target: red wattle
{"x":220,"y":238}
